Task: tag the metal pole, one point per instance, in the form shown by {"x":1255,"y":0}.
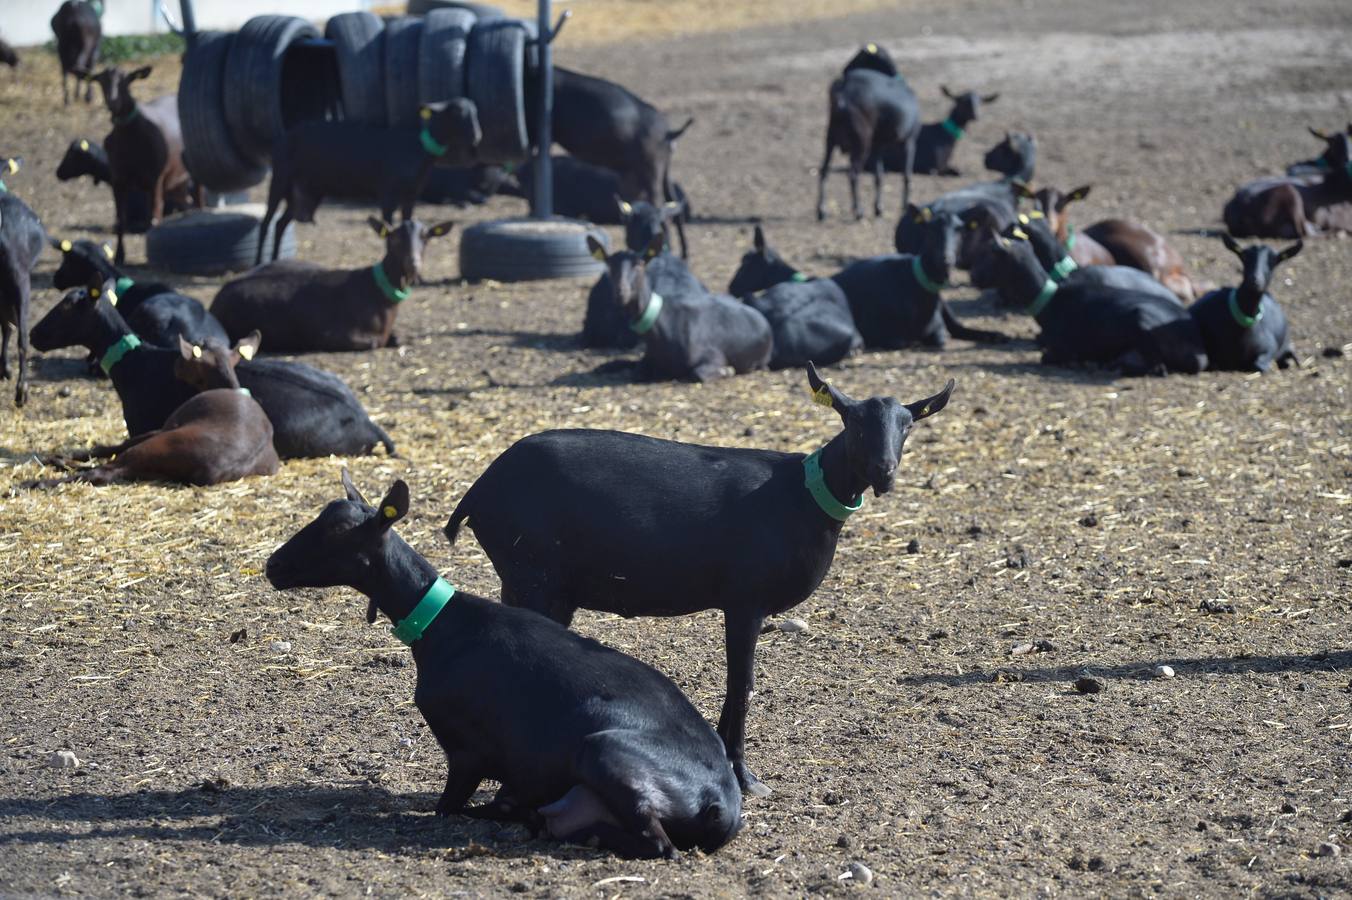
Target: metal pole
{"x":189,"y":22}
{"x":542,"y":204}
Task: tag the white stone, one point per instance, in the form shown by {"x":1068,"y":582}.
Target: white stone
{"x":281,"y":646}
{"x":1164,"y":671}
{"x":63,"y":759}
{"x":793,"y":626}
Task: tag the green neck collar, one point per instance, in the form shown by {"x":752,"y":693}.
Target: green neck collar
{"x":432,"y":603}
{"x":3,"y":188}
{"x":131,"y":116}
{"x":123,"y":285}
{"x":1348,"y":169}
{"x":98,"y":7}
{"x":954,"y":130}
{"x":798,"y":277}
{"x":1043,"y":297}
{"x":430,"y":144}
{"x":1244,"y":321}
{"x":1064,"y":267}
{"x":816,"y":486}
{"x":113,"y":355}
{"x":646,"y":321}
{"x":392,"y":293}
{"x":1070,"y":237}
{"x":918,"y":270}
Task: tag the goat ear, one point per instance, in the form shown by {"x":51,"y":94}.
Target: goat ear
{"x":351,"y":489}
{"x":441,"y":229}
{"x":655,"y":246}
{"x":758,"y":239}
{"x":947,"y":93}
{"x":625,"y":209}
{"x":1231,"y":244}
{"x":394,"y":507}
{"x":1024,"y":191}
{"x":991,"y":98}
{"x":247,"y":348}
{"x":824,"y":394}
{"x":63,"y":246}
{"x":1291,"y":251}
{"x":931,"y":405}
{"x":187,"y":349}
{"x":379,"y":227}
{"x":1078,"y":194}
{"x":598,"y":250}
{"x":671,"y":209}
{"x":138,"y":74}
{"x":1322,"y":135}
{"x":108,"y":252}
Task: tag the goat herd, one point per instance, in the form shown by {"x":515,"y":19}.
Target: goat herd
{"x":589,"y":744}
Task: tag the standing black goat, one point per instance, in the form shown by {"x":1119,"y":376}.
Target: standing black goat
{"x":21,"y":240}
{"x":79,"y":35}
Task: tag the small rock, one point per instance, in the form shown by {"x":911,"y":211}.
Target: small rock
{"x":1089,"y":521}
{"x":914,"y":547}
{"x":938,"y":634}
{"x":831,"y":798}
{"x":1333,"y":352}
{"x":1017,"y":559}
{"x":281,"y":646}
{"x":1215,"y":606}
{"x":1329,"y":849}
{"x":237,"y":636}
{"x":1164,"y":671}
{"x":859,"y":873}
{"x":749,"y":431}
{"x":1022,"y":650}
{"x":792,"y":626}
{"x":65,"y":392}
{"x":975,"y":530}
{"x":1087,"y":684}
{"x":63,"y":759}
{"x":406,"y":742}
{"x":1288,"y":809}
{"x":844,"y":842}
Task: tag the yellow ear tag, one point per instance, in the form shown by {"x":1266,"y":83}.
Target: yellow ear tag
{"x":872,"y":48}
{"x":926,"y":214}
{"x":196,"y":352}
{"x":425,"y":113}
{"x":1019,"y":233}
{"x":971,"y":226}
{"x":924,"y":412}
{"x":65,"y":246}
{"x":84,"y":145}
{"x":107,"y":251}
{"x":822,"y":396}
{"x":13,"y":166}
{"x":95,"y":293}
{"x":626,"y":208}
{"x":246,"y":351}
{"x":1023,"y":220}
{"x":112,"y":297}
{"x":1036,"y":214}
{"x":390,"y":512}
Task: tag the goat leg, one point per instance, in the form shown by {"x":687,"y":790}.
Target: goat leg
{"x":856,"y":167}
{"x":21,"y":386}
{"x":878,"y":185}
{"x":962,"y":332}
{"x":98,"y":451}
{"x":120,"y":213}
{"x":741,"y":630}
{"x":821,"y":180}
{"x":5,"y":329}
{"x":157,"y":201}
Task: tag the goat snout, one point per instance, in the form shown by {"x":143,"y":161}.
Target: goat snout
{"x":881,"y":478}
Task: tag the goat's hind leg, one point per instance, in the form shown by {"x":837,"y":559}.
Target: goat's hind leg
{"x":612,"y":804}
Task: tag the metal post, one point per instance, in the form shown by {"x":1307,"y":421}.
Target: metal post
{"x":542,"y":204}
{"x":189,"y":21}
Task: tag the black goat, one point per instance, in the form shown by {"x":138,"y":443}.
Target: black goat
{"x":869,"y":113}
{"x":79,"y":35}
{"x":674,"y":528}
{"x":585,"y":191}
{"x":21,"y":240}
{"x":84,"y":157}
{"x":588,"y":743}
{"x":689,"y":334}
{"x":761,"y":267}
{"x":938,"y":140}
{"x":1243,"y":327}
{"x":1314,"y":167}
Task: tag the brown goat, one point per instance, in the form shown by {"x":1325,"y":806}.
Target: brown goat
{"x":1301,"y":207}
{"x":219,"y":435}
{"x":145,"y":148}
{"x":1114,"y":242}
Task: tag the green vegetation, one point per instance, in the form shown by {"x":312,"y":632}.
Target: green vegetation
{"x":135,"y":46}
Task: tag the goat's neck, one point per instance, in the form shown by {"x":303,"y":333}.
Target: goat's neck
{"x":398,"y":271}
{"x":1249,"y":297}
{"x":106,"y":270}
{"x":935,"y":266}
{"x":222,"y":378}
{"x":106,"y":328}
{"x":958,"y":117}
{"x":835,"y":463}
{"x":1022,"y":288}
{"x":397,"y":580}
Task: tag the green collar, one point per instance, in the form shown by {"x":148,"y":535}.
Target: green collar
{"x":1043,"y":297}
{"x":1348,"y":169}
{"x":392,"y":293}
{"x":1070,"y":237}
{"x":816,"y":486}
{"x":649,"y":318}
{"x":123,"y":285}
{"x":918,"y":270}
{"x":1064,"y":267}
{"x":3,"y":189}
{"x":798,"y":277}
{"x":430,"y":144}
{"x":1244,"y":321}
{"x":415,"y":623}
{"x":135,"y":111}
{"x":113,"y":355}
{"x":98,"y":7}
{"x":954,"y":130}
{"x":1321,"y":164}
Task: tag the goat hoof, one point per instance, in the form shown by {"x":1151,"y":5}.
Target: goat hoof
{"x":750,"y":784}
{"x":821,"y":216}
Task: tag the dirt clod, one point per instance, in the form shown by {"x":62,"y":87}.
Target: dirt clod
{"x":1087,"y":684}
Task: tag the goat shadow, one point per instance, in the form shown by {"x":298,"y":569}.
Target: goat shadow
{"x":357,"y":815}
{"x":1144,"y":670}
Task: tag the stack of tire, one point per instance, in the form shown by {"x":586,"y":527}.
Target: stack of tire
{"x":240,"y":91}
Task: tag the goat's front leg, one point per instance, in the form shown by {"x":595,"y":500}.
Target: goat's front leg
{"x":21,"y":387}
{"x":741,"y":630}
{"x":821,"y":181}
{"x":157,"y":201}
{"x":878,"y":185}
{"x":5,"y":329}
{"x":120,"y":214}
{"x":856,"y":167}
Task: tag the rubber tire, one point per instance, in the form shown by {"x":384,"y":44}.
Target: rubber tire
{"x":403,"y":43}
{"x":253,"y":82}
{"x":209,"y":151}
{"x":209,"y":242}
{"x":529,"y":250}
{"x":441,"y":57}
{"x":478,"y":10}
{"x":359,"y":44}
{"x":495,"y":78}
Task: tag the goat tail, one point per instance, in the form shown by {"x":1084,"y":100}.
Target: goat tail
{"x":462,"y":512}
{"x":673,"y":135}
{"x":385,"y":440}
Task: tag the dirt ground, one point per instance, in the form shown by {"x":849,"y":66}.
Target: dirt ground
{"x":1103,"y":516}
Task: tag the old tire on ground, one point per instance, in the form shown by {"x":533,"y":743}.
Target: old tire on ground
{"x":210,"y":242}
{"x":441,"y":58}
{"x":478,"y":10}
{"x":529,"y":250}
{"x":209,"y":151}
{"x":253,"y":81}
{"x":403,"y":41}
{"x":360,"y":47}
{"x":495,"y":80}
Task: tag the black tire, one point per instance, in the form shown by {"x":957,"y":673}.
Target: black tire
{"x":478,"y":10}
{"x":209,"y":151}
{"x":403,"y":43}
{"x":207,"y":242}
{"x":360,"y":48}
{"x":441,"y":58}
{"x":495,"y":79}
{"x":253,"y":82}
{"x":529,"y":250}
